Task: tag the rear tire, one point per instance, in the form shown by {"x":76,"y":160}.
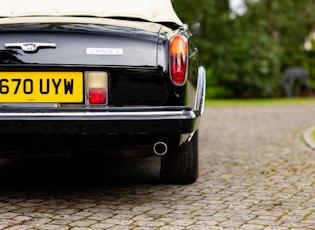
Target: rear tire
{"x":180,"y":164}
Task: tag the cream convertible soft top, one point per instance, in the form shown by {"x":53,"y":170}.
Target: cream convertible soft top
{"x":150,"y":10}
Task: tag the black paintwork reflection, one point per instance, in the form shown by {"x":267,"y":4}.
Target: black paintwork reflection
{"x":9,"y":57}
{"x":81,"y":28}
{"x":145,"y":87}
{"x":145,"y":83}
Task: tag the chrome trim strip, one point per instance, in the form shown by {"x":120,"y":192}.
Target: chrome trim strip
{"x":100,"y":114}
{"x":201,"y":89}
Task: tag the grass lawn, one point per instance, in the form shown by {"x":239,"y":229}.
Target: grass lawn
{"x":255,"y":102}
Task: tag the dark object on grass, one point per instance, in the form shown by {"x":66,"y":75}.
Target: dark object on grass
{"x":292,"y":80}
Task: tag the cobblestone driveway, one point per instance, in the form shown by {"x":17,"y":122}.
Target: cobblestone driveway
{"x":255,"y":173}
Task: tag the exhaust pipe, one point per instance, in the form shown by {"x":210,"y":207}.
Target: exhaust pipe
{"x":160,"y":148}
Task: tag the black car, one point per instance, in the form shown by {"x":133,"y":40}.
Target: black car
{"x":117,"y":76}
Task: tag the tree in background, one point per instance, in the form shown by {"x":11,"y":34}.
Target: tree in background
{"x":288,"y":23}
{"x":245,"y":55}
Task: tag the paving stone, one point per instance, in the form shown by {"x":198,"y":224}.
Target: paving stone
{"x":256,"y":172}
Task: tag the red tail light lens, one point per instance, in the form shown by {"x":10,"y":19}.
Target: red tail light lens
{"x":96,"y":88}
{"x":178,"y":52}
{"x":97,"y":96}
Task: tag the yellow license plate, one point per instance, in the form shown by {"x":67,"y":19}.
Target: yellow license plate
{"x":41,"y":87}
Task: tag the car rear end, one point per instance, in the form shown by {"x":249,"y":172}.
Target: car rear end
{"x":77,"y":84}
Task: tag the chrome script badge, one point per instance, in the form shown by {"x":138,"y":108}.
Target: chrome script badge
{"x":29,"y":46}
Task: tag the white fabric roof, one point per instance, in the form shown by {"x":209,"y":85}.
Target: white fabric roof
{"x":151,"y":10}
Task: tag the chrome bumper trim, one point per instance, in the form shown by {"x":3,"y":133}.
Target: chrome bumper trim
{"x":112,"y":115}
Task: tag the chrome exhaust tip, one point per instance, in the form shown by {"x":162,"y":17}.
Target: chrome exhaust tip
{"x":160,"y":148}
